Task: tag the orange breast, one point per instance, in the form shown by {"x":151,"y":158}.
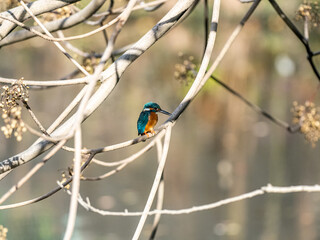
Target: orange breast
{"x":153,"y":119}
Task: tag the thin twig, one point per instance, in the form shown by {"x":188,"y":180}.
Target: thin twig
{"x":306,"y":28}
{"x":302,"y":39}
{"x":126,"y":161}
{"x":261,"y":191}
{"x":53,"y":83}
{"x":102,"y":15}
{"x":256,"y":108}
{"x":109,"y":80}
{"x":74,"y":48}
{"x":200,"y":79}
{"x":53,"y":39}
{"x":58,"y":45}
{"x":155,"y":185}
{"x":80,"y":114}
{"x":49,"y":194}
{"x":38,"y":7}
{"x":106,"y":39}
{"x":35,"y":119}
{"x":75,"y":185}
{"x":61,"y":24}
{"x":160,"y":195}
{"x":117,"y":146}
{"x":67,"y":110}
{"x":35,"y":169}
{"x":40,"y":134}
{"x":3,"y":175}
{"x":52,"y":26}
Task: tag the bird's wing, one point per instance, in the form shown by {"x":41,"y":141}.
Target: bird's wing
{"x":142,"y":122}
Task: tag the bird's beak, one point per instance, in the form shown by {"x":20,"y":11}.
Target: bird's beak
{"x":164,"y":112}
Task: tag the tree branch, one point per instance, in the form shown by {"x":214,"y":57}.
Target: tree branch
{"x":109,"y":79}
{"x":56,"y":25}
{"x":20,"y":14}
{"x":261,"y":191}
{"x":302,"y":39}
{"x":155,"y":185}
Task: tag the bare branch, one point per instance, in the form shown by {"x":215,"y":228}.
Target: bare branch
{"x":35,"y":169}
{"x":75,"y":185}
{"x":38,"y":33}
{"x":261,"y":191}
{"x":55,"y":190}
{"x":58,"y":45}
{"x":20,"y":14}
{"x":30,"y":32}
{"x":60,"y":24}
{"x":123,"y":163}
{"x":302,"y":39}
{"x":109,"y":79}
{"x":160,"y":195}
{"x":35,"y":119}
{"x":53,"y":83}
{"x":201,"y":79}
{"x":257,"y":109}
{"x":153,"y":5}
{"x":79,"y":116}
{"x":155,"y":185}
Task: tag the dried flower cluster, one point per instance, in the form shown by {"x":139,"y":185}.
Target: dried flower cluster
{"x":308,"y":117}
{"x":65,"y":175}
{"x":185,"y":71}
{"x":11,"y":111}
{"x":59,"y":13}
{"x":63,"y":179}
{"x":7,"y":4}
{"x":309,"y":11}
{"x":89,"y":63}
{"x":3,"y":232}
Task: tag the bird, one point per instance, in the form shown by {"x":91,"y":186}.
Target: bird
{"x":148,"y":118}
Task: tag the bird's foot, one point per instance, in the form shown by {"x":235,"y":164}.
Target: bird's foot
{"x":151,"y":133}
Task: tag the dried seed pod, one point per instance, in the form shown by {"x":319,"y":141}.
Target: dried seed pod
{"x":11,"y":111}
{"x":308,"y":117}
{"x":309,"y":11}
{"x":185,"y":71}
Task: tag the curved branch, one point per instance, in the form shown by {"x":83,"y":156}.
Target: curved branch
{"x":109,"y":78}
{"x":261,"y":191}
{"x":299,"y":35}
{"x":285,"y":125}
{"x":37,"y":7}
{"x":58,"y":45}
{"x":155,"y":184}
{"x":53,"y":191}
{"x":41,"y":84}
{"x":143,"y":5}
{"x":160,"y":197}
{"x":53,"y":26}
{"x":33,"y":170}
{"x":126,"y":161}
{"x":200,"y":81}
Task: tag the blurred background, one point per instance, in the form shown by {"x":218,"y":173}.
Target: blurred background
{"x":220,"y":148}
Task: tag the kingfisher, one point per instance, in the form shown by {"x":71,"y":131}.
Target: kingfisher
{"x":148,"y":118}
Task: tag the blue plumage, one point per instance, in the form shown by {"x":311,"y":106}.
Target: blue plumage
{"x":148,"y":118}
{"x":142,"y":122}
{"x":152,"y":105}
